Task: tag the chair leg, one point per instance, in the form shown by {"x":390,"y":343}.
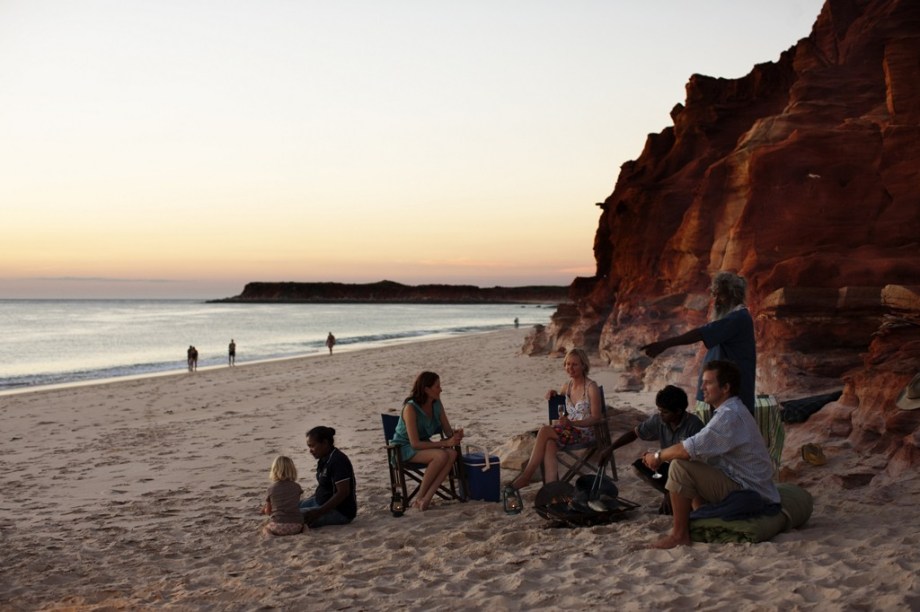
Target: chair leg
{"x":454,"y":488}
{"x":401,"y":479}
{"x":462,"y":478}
{"x":571,"y":469}
{"x":398,"y":482}
{"x":448,"y":490}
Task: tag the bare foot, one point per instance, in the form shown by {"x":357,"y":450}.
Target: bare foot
{"x":421,"y":505}
{"x":671,"y":541}
{"x":516,"y":485}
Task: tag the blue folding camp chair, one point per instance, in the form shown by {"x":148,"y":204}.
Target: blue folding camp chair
{"x":402,"y":472}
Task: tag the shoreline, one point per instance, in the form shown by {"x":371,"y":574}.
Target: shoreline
{"x":145,"y":493}
{"x":536,"y":303}
{"x":62,"y":344}
{"x":181,"y":371}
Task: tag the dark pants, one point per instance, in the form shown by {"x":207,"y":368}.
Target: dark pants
{"x":646,"y":474}
{"x":333,"y":517}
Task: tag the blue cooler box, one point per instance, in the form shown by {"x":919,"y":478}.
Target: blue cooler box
{"x":485,"y":484}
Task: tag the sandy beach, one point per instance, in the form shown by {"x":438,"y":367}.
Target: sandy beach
{"x":145,"y":493}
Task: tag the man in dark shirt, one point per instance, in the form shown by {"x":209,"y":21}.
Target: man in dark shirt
{"x":728,"y":336}
{"x":670,"y":425}
{"x":334,"y":502}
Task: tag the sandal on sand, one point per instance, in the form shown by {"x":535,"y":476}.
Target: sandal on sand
{"x":511,"y":500}
{"x":813,"y":454}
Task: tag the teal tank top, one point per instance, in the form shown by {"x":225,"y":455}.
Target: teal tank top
{"x":426,"y":428}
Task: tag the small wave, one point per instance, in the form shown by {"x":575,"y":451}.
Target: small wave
{"x":278,"y":351}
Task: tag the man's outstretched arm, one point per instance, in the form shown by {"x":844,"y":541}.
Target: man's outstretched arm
{"x":656,"y":348}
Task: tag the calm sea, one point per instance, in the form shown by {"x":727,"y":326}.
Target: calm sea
{"x":45,"y":342}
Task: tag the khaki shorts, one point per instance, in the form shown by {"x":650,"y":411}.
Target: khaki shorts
{"x":693,"y":479}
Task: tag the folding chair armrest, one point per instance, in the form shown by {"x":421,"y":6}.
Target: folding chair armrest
{"x":394,"y":456}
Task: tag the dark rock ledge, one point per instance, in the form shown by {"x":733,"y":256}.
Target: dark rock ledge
{"x":389,"y":291}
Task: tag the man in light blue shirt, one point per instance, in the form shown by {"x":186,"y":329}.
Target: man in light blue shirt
{"x":727,"y":455}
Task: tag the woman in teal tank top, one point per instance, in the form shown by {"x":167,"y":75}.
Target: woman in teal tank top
{"x":422,"y":418}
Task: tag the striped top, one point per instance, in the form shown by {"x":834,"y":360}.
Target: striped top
{"x":731,"y":442}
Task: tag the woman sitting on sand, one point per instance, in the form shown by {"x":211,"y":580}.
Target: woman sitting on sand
{"x":582,"y":410}
{"x":335,"y":501}
{"x":282,"y":499}
{"x":422,"y":417}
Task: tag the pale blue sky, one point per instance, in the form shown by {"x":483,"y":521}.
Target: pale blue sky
{"x":182,"y":148}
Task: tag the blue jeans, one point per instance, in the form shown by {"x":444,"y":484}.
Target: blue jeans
{"x":333,"y":517}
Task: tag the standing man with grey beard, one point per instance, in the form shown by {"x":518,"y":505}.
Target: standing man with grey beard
{"x":729,"y":335}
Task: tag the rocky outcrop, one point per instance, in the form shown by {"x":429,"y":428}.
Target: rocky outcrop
{"x":388,"y":291}
{"x":803,"y":176}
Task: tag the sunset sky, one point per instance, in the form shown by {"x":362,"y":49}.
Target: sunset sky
{"x":180,"y":148}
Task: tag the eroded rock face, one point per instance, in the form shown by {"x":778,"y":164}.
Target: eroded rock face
{"x":804,"y":177}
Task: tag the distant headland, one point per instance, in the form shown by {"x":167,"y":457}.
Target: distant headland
{"x":390,"y":291}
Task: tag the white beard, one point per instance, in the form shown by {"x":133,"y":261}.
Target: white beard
{"x":719,"y":311}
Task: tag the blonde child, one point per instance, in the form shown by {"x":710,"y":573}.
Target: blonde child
{"x":283,"y":499}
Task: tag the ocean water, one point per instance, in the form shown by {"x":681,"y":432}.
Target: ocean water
{"x":44,"y":342}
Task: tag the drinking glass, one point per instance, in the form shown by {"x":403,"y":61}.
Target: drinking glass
{"x":656,"y":473}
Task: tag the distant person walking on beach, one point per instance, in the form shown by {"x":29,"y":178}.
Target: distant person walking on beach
{"x":189,"y":356}
{"x":517,"y":323}
{"x":283,"y":499}
{"x":729,"y":335}
{"x":231,"y":356}
{"x":330,"y":342}
{"x":194,"y":359}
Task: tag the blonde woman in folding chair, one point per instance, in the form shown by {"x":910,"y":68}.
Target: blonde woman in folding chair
{"x":582,"y":410}
{"x":422,"y":417}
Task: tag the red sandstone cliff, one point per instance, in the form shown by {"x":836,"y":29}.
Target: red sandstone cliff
{"x":803,"y":176}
